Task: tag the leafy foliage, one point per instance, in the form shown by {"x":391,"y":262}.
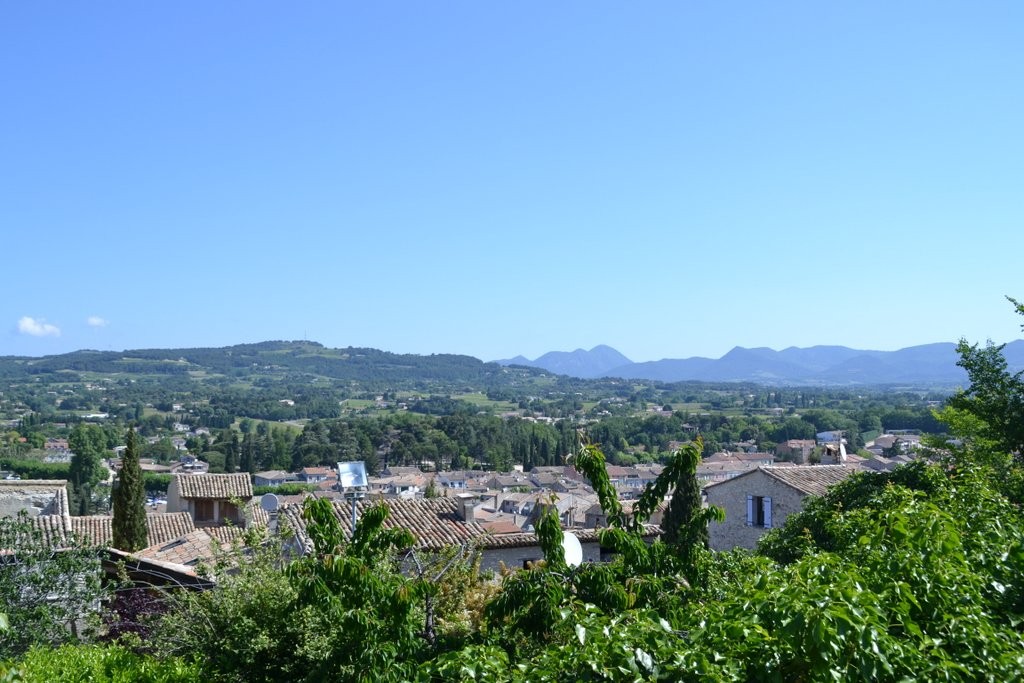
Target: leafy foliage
{"x":50,"y":594}
{"x":342,"y":611}
{"x":249,"y":628}
{"x":988,"y":416}
{"x":995,"y":395}
{"x":98,"y":664}
{"x":533,"y":604}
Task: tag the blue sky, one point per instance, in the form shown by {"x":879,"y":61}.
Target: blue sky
{"x":671,"y":179}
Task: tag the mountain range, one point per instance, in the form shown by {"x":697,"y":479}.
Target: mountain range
{"x":928,"y":364}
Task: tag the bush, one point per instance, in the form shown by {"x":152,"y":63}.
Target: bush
{"x":291,"y":489}
{"x":97,"y":664}
{"x":28,"y":468}
{"x":155,"y":482}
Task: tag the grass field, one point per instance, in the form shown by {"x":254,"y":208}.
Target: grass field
{"x":481,"y":400}
{"x":357,"y":404}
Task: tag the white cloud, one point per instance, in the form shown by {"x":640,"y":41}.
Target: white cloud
{"x":96,"y":321}
{"x":37,"y":328}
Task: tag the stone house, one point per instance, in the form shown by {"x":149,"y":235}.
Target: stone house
{"x":518,"y":503}
{"x":453,"y":480}
{"x":212,"y":499}
{"x":796,"y":450}
{"x":764,"y":498}
{"x":597,"y":518}
{"x":272,"y":478}
{"x":315,"y":475}
{"x":720,"y":471}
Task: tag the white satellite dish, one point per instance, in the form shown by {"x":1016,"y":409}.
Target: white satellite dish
{"x":270,"y":502}
{"x":573,"y":549}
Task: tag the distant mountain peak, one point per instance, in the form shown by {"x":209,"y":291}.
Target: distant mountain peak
{"x":924,"y":365}
{"x":579,"y":363}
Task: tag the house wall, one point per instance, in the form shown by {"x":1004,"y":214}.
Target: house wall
{"x":34,"y":501}
{"x":513,"y":558}
{"x":732,"y":495}
{"x":175,"y":503}
{"x":203,"y":509}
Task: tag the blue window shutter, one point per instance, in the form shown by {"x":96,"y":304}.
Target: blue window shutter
{"x":750,"y":511}
{"x":767,"y":513}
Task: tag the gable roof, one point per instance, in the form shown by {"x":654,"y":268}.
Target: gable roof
{"x":321,"y":471}
{"x":273,"y":474}
{"x":217,"y":486}
{"x":812,"y":480}
{"x":54,"y":529}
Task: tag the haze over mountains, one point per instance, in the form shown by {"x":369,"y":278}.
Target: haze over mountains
{"x":929,"y":364}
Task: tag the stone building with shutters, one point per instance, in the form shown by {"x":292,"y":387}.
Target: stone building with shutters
{"x":764,"y":498}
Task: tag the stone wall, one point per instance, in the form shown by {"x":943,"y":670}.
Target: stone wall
{"x":36,"y":498}
{"x":513,"y":558}
{"x":732,"y":495}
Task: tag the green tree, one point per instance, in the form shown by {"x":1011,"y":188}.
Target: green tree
{"x":87,"y":443}
{"x":129,"y":524}
{"x":995,"y":395}
{"x":988,"y":416}
{"x":431,"y":491}
{"x":684,"y":525}
{"x":341,"y":612}
{"x":248,"y":458}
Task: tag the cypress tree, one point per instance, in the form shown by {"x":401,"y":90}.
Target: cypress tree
{"x":130,"y":501}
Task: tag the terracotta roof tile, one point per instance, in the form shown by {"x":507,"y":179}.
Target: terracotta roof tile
{"x":217,"y":486}
{"x":273,"y":474}
{"x":813,"y":480}
{"x":224,"y":534}
{"x":55,"y":529}
{"x":434,"y":522}
{"x":161,"y":527}
{"x":194,"y":547}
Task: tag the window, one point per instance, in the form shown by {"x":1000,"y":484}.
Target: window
{"x":759,"y":511}
{"x":204,"y":510}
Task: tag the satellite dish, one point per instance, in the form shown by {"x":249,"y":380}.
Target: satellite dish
{"x":270,"y":502}
{"x":573,"y":549}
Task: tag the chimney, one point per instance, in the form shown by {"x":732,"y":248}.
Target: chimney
{"x":467,"y":503}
